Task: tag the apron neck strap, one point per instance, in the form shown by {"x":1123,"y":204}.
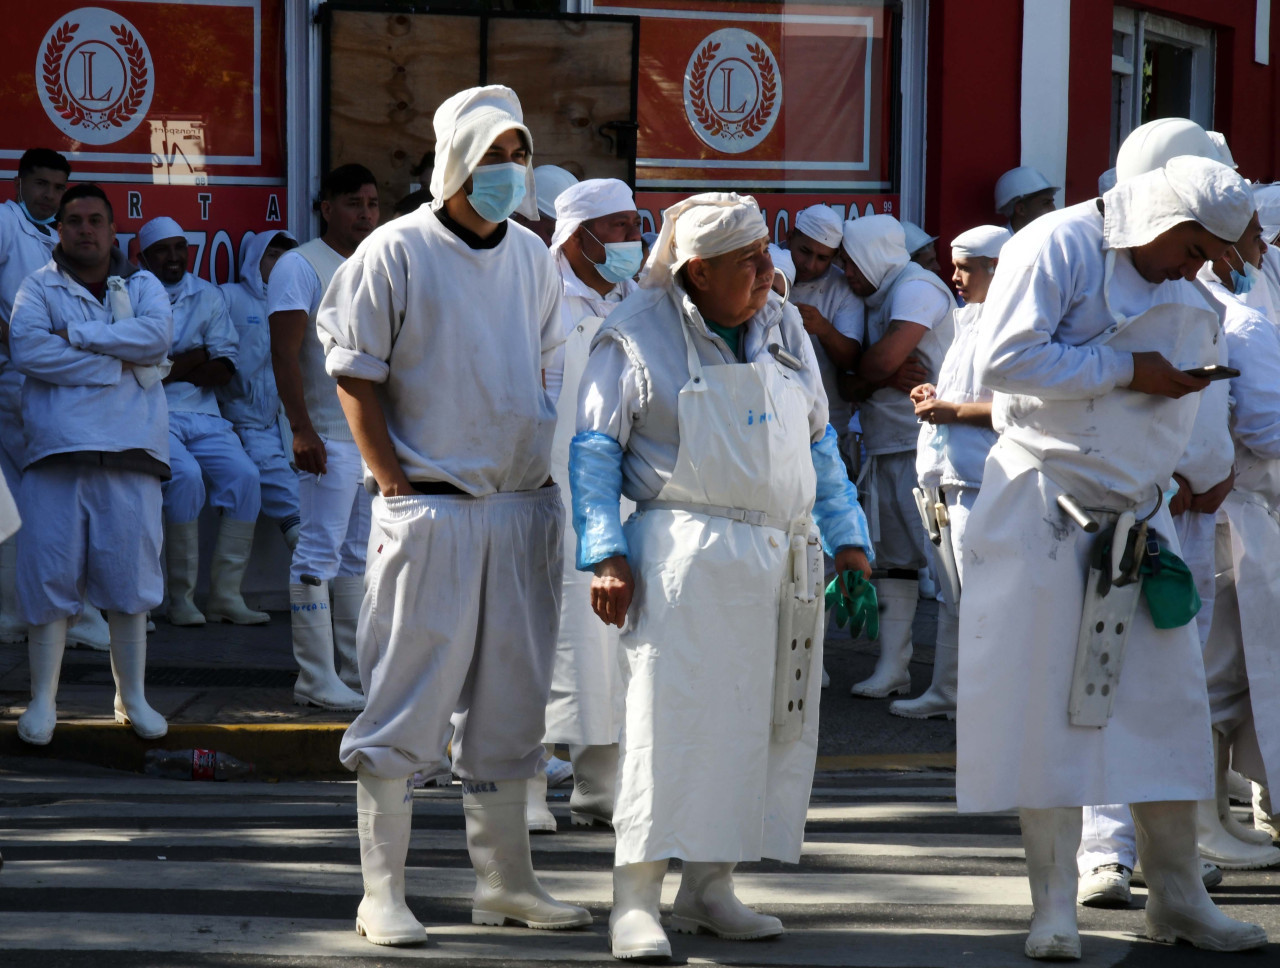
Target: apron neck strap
{"x":691,"y":351}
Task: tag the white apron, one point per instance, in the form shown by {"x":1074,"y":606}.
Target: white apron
{"x":701,"y":778}
{"x":1024,"y":590}
{"x":588,"y":681}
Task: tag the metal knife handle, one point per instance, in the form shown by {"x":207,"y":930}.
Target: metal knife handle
{"x":1072,"y":509}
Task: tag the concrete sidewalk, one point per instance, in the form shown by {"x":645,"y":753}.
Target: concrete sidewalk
{"x":230,"y":688}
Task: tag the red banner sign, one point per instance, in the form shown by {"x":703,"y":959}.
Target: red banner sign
{"x":779,"y":209}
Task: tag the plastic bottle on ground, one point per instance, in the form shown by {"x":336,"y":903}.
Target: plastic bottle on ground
{"x":196,"y":765}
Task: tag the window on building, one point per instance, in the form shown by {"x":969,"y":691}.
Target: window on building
{"x":1160,"y":68}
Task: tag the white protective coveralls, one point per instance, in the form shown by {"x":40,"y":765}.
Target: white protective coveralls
{"x":587,"y":688}
{"x":1066,"y":309}
{"x":250,"y":400}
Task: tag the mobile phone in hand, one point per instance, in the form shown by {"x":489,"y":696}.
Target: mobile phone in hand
{"x":1214,"y":371}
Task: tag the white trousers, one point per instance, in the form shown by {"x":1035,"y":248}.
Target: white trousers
{"x":334,"y":511}
{"x":896,"y":530}
{"x":202,"y":445}
{"x":279,"y":481}
{"x":1107,"y":838}
{"x":89,"y":534}
{"x":458,"y":625}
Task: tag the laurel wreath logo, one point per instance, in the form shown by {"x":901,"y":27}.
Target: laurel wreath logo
{"x":712,"y":122}
{"x":67,"y":107}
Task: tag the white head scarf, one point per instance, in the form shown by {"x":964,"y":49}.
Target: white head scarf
{"x":1018,"y":183}
{"x":466,"y":125}
{"x":1150,"y":145}
{"x":551,"y":181}
{"x":916,"y":238}
{"x":783,"y":262}
{"x":820,"y":223}
{"x":1224,"y":150}
{"x":877,"y":245}
{"x":985,"y":241}
{"x":1267,"y":198}
{"x":1186,"y":189}
{"x":702,"y":226}
{"x":159,"y":228}
{"x":586,"y":200}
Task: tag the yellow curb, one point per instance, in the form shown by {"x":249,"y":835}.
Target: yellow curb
{"x":887,"y":761}
{"x":276,"y":749}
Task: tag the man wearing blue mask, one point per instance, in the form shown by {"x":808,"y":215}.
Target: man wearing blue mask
{"x":597,"y":250}
{"x":438,"y":329}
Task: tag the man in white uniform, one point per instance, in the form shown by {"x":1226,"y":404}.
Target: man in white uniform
{"x":1088,"y":325}
{"x":203,"y":445}
{"x":1023,"y":195}
{"x":329,"y":559}
{"x":27,"y":238}
{"x":954,"y":443}
{"x":702,"y":402}
{"x":463,"y":601}
{"x":596,"y":249}
{"x":250,"y":400}
{"x":908,"y":316}
{"x":90,"y":333}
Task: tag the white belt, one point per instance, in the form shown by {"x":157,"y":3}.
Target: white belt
{"x":757,"y":518}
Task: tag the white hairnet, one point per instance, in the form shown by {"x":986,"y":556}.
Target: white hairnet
{"x":1224,"y":150}
{"x":1150,"y":145}
{"x":916,"y":238}
{"x":1267,"y":198}
{"x":702,"y":226}
{"x":159,"y":228}
{"x":984,"y":240}
{"x":1106,"y":181}
{"x":1187,"y":189}
{"x":783,"y":262}
{"x":586,"y":200}
{"x":877,"y":245}
{"x":466,"y":125}
{"x":551,"y":181}
{"x":821,"y":223}
{"x":1018,"y":183}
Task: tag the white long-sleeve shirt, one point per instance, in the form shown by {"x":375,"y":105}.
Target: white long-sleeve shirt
{"x":456,"y":338}
{"x":24,"y":248}
{"x":199,"y":319}
{"x":830,"y":295}
{"x":1253,"y":348}
{"x":250,"y":399}
{"x":577,"y":302}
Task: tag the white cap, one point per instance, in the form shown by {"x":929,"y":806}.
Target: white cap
{"x":1151,"y":145}
{"x":585,"y":200}
{"x":1188,"y":188}
{"x":1018,"y":183}
{"x":916,"y":237}
{"x":984,"y":240}
{"x":1224,"y":152}
{"x":1267,"y":198}
{"x":158,"y":229}
{"x":821,"y":223}
{"x":550,"y":181}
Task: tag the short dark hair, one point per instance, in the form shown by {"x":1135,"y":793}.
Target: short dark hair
{"x":345,"y":180}
{"x":281,"y":241}
{"x":84,"y":190}
{"x":34,"y":158}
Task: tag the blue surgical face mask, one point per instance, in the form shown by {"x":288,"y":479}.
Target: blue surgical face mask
{"x":31,"y":218}
{"x":1242,"y":280}
{"x":497,"y":190}
{"x":622,"y":260}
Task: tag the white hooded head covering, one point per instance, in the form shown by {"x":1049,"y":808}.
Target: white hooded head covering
{"x":159,"y":228}
{"x":551,"y":181}
{"x":821,"y":223}
{"x":1267,"y":198}
{"x":916,"y":237}
{"x":251,"y":259}
{"x":1150,"y":145}
{"x":783,"y":262}
{"x":1186,"y":189}
{"x":1106,"y":181}
{"x":466,"y":125}
{"x":877,"y":245}
{"x":984,"y":241}
{"x":1018,"y":183}
{"x":702,"y":226}
{"x":586,"y":200}
{"x":1224,"y":150}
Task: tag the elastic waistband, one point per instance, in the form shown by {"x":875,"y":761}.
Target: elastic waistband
{"x":757,"y":518}
{"x":451,"y":493}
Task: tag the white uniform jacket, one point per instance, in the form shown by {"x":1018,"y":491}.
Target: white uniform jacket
{"x":830,"y":295}
{"x":24,"y":248}
{"x":577,"y":302}
{"x":250,"y":399}
{"x":199,"y":319}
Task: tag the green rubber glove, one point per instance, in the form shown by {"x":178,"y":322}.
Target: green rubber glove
{"x":859,"y":609}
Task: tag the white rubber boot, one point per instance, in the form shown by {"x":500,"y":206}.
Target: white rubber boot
{"x":226,"y":572}
{"x":1263,"y":819}
{"x":595,"y":778}
{"x":347,"y":594}
{"x":498,"y":842}
{"x":1178,"y":906}
{"x":898,"y":599}
{"x":1051,"y":838}
{"x":182,"y":556}
{"x":706,"y":902}
{"x":537,"y":816}
{"x":635,"y":927}
{"x":1216,"y":841}
{"x":90,"y":630}
{"x":939,"y":700}
{"x":318,"y":683}
{"x":45,"y":645}
{"x":1223,"y":784}
{"x":129,"y":668}
{"x":12,"y":627}
{"x":384,"y":817}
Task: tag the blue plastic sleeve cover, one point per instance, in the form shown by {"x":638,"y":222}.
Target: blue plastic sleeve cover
{"x":595,"y":480}
{"x":840,"y":518}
